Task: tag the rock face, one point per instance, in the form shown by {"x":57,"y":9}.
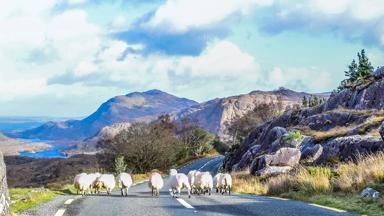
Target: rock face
{"x":215,"y":115}
{"x":337,"y":130}
{"x":4,"y":196}
{"x":136,"y":106}
{"x":379,"y":73}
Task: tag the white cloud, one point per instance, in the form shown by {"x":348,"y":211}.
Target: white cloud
{"x":180,"y":15}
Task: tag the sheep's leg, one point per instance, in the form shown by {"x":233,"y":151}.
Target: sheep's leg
{"x":229,"y":190}
{"x":217,"y":190}
{"x":122,"y":191}
{"x":209,"y":192}
{"x":152,"y":191}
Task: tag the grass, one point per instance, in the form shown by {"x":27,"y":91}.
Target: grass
{"x":337,"y":187}
{"x":324,"y":135}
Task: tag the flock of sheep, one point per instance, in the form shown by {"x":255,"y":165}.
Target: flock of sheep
{"x":195,"y":183}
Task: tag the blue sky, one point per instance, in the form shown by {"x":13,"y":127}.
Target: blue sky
{"x":65,"y":57}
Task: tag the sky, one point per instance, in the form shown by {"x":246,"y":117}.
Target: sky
{"x":65,"y":57}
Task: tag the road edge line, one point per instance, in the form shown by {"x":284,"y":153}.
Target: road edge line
{"x":327,"y":207}
{"x":60,"y":212}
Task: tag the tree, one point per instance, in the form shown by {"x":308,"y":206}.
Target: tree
{"x":304,"y":102}
{"x":351,"y":73}
{"x":146,"y":146}
{"x":120,"y":165}
{"x":356,"y":71}
{"x":196,"y":140}
{"x":365,"y":67}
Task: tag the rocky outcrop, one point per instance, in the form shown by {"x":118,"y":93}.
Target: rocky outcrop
{"x":4,"y":196}
{"x":216,"y":115}
{"x":337,"y":130}
{"x":379,"y":73}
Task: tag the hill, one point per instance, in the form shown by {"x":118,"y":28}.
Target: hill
{"x":136,"y":106}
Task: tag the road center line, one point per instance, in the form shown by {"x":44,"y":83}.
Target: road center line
{"x":329,"y":208}
{"x":278,"y":198}
{"x":185,"y":204}
{"x":210,"y":161}
{"x":68,"y":202}
{"x":60,"y":212}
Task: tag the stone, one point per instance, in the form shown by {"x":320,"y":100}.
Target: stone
{"x":370,"y":193}
{"x":311,"y":153}
{"x":284,"y":157}
{"x":379,"y":73}
{"x":273,"y":170}
{"x":4,"y":196}
{"x":382,"y":131}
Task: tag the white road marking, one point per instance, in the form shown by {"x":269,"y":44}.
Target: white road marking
{"x":278,"y":198}
{"x":60,"y":212}
{"x":210,"y":161}
{"x":329,"y":208}
{"x":185,"y":204}
{"x":68,"y":202}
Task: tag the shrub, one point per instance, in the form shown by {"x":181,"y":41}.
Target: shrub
{"x":120,"y":165}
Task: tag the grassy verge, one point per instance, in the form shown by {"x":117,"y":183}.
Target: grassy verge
{"x":337,"y":187}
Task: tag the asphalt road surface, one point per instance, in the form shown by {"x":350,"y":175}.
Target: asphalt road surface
{"x":140,"y":202}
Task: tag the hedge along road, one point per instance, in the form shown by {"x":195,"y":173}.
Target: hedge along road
{"x":140,"y":202}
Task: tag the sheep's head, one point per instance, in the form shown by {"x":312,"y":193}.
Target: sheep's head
{"x":172,"y":172}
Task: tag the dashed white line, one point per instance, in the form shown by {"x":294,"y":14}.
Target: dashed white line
{"x":329,"y":208}
{"x":278,"y":198}
{"x":68,"y":202}
{"x":60,"y":212}
{"x":210,"y":161}
{"x":185,"y":204}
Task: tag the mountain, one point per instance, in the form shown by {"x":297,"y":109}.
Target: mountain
{"x":133,"y":107}
{"x":215,"y":115}
{"x":343,"y":128}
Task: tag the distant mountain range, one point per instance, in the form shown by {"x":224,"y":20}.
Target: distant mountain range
{"x":133,"y":107}
{"x":117,"y":113}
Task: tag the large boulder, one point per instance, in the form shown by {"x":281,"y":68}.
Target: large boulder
{"x":311,"y":153}
{"x":284,"y":157}
{"x":379,"y":73}
{"x":349,"y":147}
{"x":4,"y":196}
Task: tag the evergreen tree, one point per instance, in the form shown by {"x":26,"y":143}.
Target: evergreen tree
{"x":352,"y":71}
{"x":305,"y":102}
{"x":365,"y":67}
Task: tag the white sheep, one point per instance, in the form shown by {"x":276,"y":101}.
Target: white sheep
{"x":216,"y":182}
{"x":192,"y":180}
{"x":155,"y":183}
{"x":80,"y":182}
{"x":204,"y":182}
{"x":92,"y":180}
{"x":124,"y":181}
{"x":225,"y":183}
{"x":178,"y":181}
{"x":105,"y":181}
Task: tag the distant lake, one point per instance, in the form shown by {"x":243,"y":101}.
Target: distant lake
{"x":53,"y":152}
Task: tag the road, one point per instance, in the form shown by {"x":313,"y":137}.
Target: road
{"x":140,"y":202}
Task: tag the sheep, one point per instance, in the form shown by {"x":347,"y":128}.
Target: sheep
{"x":80,"y":182}
{"x":178,"y":182}
{"x":155,"y":183}
{"x":124,"y":181}
{"x":216,"y":182}
{"x":92,"y":180}
{"x":225,"y":183}
{"x":172,"y":172}
{"x":192,"y":180}
{"x":204,"y":182}
{"x":106,"y":181}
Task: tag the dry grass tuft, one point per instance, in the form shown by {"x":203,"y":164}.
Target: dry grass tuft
{"x":245,"y":183}
{"x":324,"y":135}
{"x":354,"y":176}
